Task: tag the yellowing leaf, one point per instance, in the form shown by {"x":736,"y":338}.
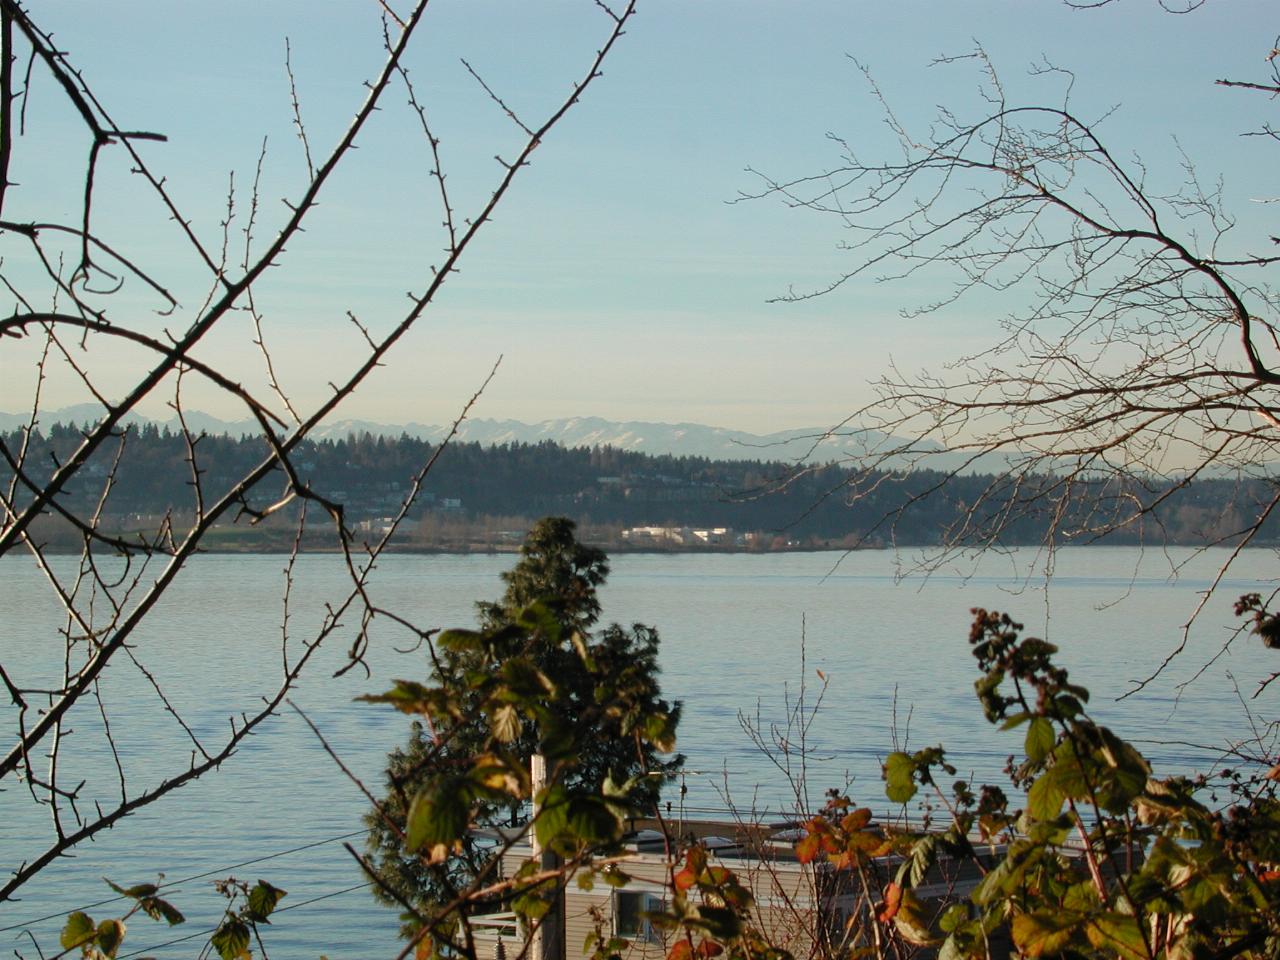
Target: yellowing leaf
{"x":855,"y":820}
{"x":1042,"y":933}
{"x":808,"y":848}
{"x":506,"y":723}
{"x":1044,"y":799}
{"x":912,"y":922}
{"x":899,"y":785}
{"x":110,"y":935}
{"x":79,"y":929}
{"x":1040,"y":739}
{"x":1119,"y":935}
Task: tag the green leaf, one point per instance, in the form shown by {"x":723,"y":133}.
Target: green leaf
{"x":438,"y":814}
{"x":1015,"y":720}
{"x":1068,"y":706}
{"x":553,"y":814}
{"x":1069,"y":772}
{"x":1044,"y":799}
{"x":592,"y":821}
{"x":912,"y":920}
{"x":231,"y":940}
{"x":1081,"y":897}
{"x":924,"y":853}
{"x":616,"y":878}
{"x":78,"y":929}
{"x":458,"y":640}
{"x":1129,"y":770}
{"x":525,"y":681}
{"x":952,"y":917}
{"x":538,"y":617}
{"x":262,"y":901}
{"x":720,"y":922}
{"x":1040,"y":739}
{"x":898,"y":777}
{"x":1007,"y":874}
{"x":496,"y":776}
{"x":660,"y":730}
{"x":407,"y":696}
{"x":533,"y":904}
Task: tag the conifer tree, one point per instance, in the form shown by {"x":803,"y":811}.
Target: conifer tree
{"x":562,"y":577}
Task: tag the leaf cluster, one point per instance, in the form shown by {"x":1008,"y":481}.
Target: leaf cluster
{"x":1105,"y":860}
{"x":248,"y":907}
{"x":102,"y":940}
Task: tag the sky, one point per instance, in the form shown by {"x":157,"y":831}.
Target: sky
{"x":620,"y":278}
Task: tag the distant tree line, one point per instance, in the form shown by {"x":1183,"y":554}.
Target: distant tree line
{"x":607,"y":488}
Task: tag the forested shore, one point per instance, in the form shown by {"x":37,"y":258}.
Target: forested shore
{"x":484,"y":498}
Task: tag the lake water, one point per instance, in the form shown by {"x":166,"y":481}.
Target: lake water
{"x":739,"y":634}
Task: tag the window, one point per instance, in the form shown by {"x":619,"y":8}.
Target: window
{"x":629,"y":920}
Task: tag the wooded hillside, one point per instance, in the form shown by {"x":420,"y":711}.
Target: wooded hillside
{"x":477,"y":496}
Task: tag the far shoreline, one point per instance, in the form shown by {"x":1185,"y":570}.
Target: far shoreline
{"x":506,"y":549}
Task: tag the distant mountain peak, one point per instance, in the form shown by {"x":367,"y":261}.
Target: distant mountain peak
{"x":801,"y":445}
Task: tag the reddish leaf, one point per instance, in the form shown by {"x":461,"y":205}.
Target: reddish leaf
{"x":681,"y":950}
{"x":685,"y":879}
{"x":708,"y":949}
{"x":807,"y":850}
{"x":892,"y":901}
{"x":856,"y":820}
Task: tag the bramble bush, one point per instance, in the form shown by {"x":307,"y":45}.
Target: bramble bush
{"x":1104,"y":861}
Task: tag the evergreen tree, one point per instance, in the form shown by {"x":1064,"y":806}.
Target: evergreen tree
{"x":561,"y":577}
{"x":557,"y":570}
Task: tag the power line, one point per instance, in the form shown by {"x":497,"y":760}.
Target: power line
{"x":209,"y":932}
{"x":688,"y":809}
{"x":175,"y":883}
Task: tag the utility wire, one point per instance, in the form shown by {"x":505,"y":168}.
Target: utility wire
{"x":210,"y":932}
{"x":174,"y":883}
{"x":694,"y":809}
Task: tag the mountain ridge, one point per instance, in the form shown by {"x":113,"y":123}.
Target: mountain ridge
{"x":805,"y":444}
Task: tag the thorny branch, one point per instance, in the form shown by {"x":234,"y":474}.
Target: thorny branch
{"x":122,"y":575}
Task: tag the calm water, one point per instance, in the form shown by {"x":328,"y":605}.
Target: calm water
{"x":739,"y":635}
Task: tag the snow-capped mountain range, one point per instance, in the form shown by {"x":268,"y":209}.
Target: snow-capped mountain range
{"x":804,"y":445}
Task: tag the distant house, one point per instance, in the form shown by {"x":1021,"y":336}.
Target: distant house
{"x":679,"y":536}
{"x":379,"y":526}
{"x":658,"y":536}
{"x":794,"y":902}
{"x":714,"y":535}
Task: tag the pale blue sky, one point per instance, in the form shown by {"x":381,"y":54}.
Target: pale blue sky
{"x":617,"y":280}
